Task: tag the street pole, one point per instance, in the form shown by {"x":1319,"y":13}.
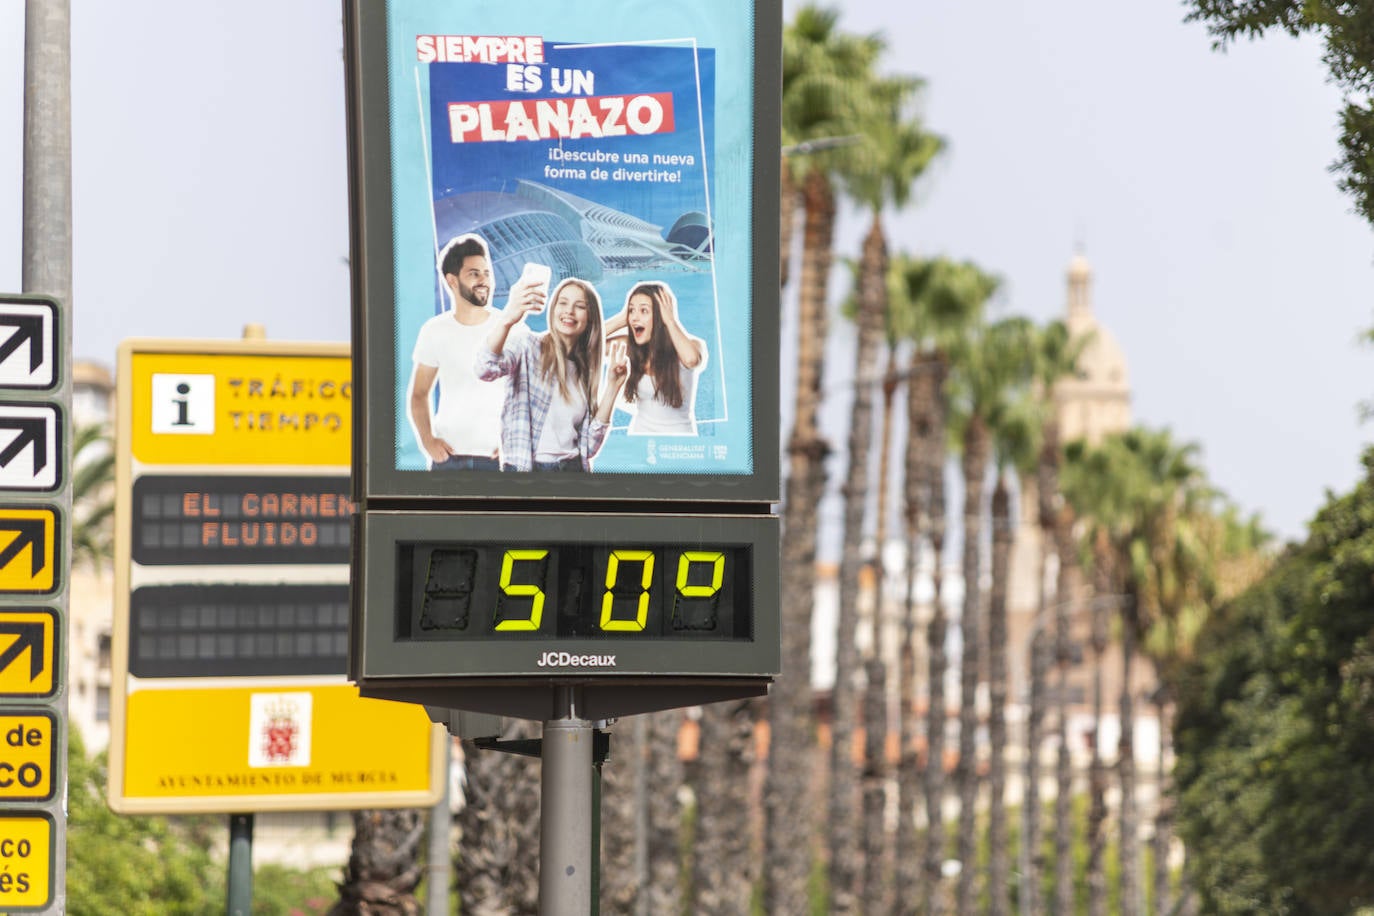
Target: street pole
{"x":46,"y":269}
{"x":565,"y":817}
{"x":240,"y":896}
{"x":47,"y":219}
{"x":439,"y":867}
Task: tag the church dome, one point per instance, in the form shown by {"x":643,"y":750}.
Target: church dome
{"x":1097,"y":400}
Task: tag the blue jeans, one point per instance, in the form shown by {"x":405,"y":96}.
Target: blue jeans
{"x":467,"y":463}
{"x":567,"y":464}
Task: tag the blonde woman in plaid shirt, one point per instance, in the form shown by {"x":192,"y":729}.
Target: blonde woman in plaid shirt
{"x":553,"y":419}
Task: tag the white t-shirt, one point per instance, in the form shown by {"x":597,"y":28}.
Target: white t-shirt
{"x":468,"y":417}
{"x":558,"y":438}
{"x":652,"y":417}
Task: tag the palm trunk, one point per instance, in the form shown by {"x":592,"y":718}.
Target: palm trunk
{"x":1097,"y":775}
{"x":663,"y":769}
{"x":845,"y":849}
{"x":788,"y":784}
{"x":1163,"y":805}
{"x":999,"y":867}
{"x":497,"y":868}
{"x":1125,"y":764}
{"x":724,"y":871}
{"x":624,"y":814}
{"x":976,"y":450}
{"x":1067,"y":598}
{"x":787,"y":218}
{"x":934,"y":782}
{"x":907,"y":881}
{"x":383,"y":866}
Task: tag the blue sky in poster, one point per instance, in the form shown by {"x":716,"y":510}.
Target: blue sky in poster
{"x":632,"y":50}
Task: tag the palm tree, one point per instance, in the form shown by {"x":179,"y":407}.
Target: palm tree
{"x":997,"y":357}
{"x":496,"y":870}
{"x":1057,"y":355}
{"x":894,"y":152}
{"x":941,"y":300}
{"x":825,"y":75}
{"x":93,"y":463}
{"x":1013,"y":447}
{"x":1144,"y":493}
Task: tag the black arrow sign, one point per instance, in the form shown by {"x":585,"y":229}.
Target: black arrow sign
{"x":28,"y":533}
{"x":28,"y":635}
{"x":32,"y":430}
{"x":26,"y":328}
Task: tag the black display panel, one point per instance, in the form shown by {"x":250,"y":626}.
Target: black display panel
{"x":211,"y":520}
{"x":539,"y":590}
{"x":238,"y":630}
{"x":525,"y":596}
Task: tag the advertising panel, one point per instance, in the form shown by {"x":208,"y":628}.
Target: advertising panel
{"x":562,"y":240}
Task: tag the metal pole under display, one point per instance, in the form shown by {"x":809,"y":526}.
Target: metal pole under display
{"x":565,"y":817}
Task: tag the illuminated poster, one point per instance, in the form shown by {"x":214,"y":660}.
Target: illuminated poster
{"x":572,"y":237}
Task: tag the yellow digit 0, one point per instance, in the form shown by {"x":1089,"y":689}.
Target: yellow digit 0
{"x":684,"y":566}
{"x":608,"y":622}
{"x":522,"y":590}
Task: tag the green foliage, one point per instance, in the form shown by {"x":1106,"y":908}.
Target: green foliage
{"x":158,"y":866}
{"x":1347,"y":27}
{"x":92,"y":496}
{"x":1275,"y":733}
{"x":132,"y":865}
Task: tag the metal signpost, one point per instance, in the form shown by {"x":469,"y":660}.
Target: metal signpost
{"x":566,"y":369}
{"x":232,"y":521}
{"x":35,"y":505}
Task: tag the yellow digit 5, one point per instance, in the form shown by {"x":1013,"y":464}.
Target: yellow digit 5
{"x":522,"y":590}
{"x":684,"y":566}
{"x":608,"y":622}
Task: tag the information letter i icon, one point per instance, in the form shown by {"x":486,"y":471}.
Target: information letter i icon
{"x":183,"y":403}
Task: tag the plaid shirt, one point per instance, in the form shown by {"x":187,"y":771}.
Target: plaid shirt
{"x":527,"y":402}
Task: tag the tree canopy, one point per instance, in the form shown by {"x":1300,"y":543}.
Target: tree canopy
{"x":1276,"y":729}
{"x":1347,"y":28}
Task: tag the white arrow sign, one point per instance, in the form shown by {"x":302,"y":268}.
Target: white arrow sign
{"x":30,"y":446}
{"x":28,"y":344}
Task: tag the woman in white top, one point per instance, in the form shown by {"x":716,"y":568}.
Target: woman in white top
{"x":664,"y":363}
{"x":552,"y":419}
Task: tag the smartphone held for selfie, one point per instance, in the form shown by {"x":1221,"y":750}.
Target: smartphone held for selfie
{"x":540,"y":273}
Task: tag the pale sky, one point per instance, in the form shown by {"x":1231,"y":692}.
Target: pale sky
{"x":211,"y":191}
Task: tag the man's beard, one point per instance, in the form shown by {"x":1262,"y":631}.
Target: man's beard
{"x":469,"y":294}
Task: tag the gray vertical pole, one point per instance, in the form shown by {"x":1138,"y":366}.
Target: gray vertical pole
{"x":440,"y":829}
{"x":565,"y":815}
{"x":47,"y":220}
{"x":46,"y":268}
{"x":240,"y":865}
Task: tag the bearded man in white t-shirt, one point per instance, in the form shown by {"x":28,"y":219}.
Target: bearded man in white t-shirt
{"x":464,"y":431}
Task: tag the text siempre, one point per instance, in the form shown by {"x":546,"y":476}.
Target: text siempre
{"x":574,"y":112}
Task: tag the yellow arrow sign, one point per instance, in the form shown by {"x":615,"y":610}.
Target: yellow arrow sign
{"x":28,"y":549}
{"x":28,"y":652}
{"x":26,"y":841}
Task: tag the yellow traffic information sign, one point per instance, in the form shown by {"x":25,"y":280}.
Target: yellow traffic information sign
{"x":26,"y":859}
{"x":28,"y":652}
{"x":28,"y":755}
{"x":264,"y":408}
{"x":28,"y":549}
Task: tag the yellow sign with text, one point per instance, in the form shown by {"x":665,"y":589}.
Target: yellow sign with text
{"x":28,"y":755}
{"x":256,"y":405}
{"x":26,"y":847}
{"x":216,"y":749}
{"x":28,"y":549}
